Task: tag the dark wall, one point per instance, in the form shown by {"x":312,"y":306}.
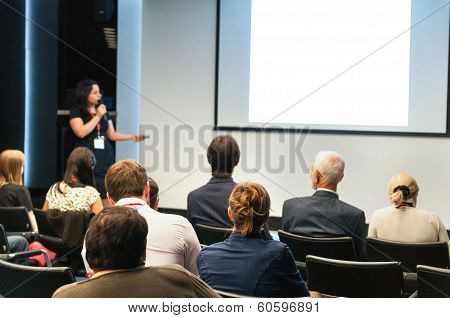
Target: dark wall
{"x":12,"y":74}
{"x":84,"y":53}
{"x":62,"y":42}
{"x":42,"y":94}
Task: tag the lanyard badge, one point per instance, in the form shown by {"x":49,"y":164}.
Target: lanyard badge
{"x":99,"y":142}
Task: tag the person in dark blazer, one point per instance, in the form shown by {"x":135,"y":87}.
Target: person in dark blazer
{"x":323,"y":214}
{"x":208,"y":204}
{"x":245,"y":263}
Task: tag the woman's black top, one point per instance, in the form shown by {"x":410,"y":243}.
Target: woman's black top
{"x":104,"y":157}
{"x":13,"y":195}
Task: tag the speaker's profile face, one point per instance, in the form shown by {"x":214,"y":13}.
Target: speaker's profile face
{"x":95,"y":95}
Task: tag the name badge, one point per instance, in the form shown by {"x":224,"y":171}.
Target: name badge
{"x":99,"y":143}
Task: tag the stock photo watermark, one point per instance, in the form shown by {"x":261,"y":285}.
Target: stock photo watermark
{"x":182,"y":148}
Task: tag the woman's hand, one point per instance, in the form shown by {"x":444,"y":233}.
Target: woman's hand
{"x":101,"y":110}
{"x":137,"y":137}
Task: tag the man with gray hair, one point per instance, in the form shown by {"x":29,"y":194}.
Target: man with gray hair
{"x":323,"y":214}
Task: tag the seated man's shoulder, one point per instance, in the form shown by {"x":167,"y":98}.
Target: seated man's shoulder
{"x":170,"y":270}
{"x":198,"y":192}
{"x":297,"y":201}
{"x":69,"y":291}
{"x":351,"y":208}
{"x":167,"y":221}
{"x":178,"y":277}
{"x":195,"y":193}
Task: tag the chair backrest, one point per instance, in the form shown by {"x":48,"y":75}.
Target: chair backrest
{"x":331,"y":247}
{"x":208,"y":235}
{"x":15,"y":219}
{"x":409,"y":254}
{"x":43,"y":224}
{"x":4,"y":246}
{"x":354,"y":279}
{"x":433,"y":282}
{"x":26,"y":281}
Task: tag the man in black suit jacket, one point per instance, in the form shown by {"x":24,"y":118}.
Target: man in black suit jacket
{"x":208,"y":205}
{"x":323,"y":214}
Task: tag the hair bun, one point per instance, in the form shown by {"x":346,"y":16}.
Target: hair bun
{"x":404,"y":189}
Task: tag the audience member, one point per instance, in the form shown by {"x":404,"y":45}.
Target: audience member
{"x":12,"y":191}
{"x":402,"y":221}
{"x":116,"y":248}
{"x":18,"y":244}
{"x":208,"y":204}
{"x":171,"y":238}
{"x":153,"y":201}
{"x":323,"y":214}
{"x":76,"y":192}
{"x":245,"y":263}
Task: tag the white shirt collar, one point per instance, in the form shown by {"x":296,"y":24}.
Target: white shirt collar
{"x":131,"y":202}
{"x":325,"y":189}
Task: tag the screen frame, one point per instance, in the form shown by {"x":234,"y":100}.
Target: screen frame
{"x":217,"y":127}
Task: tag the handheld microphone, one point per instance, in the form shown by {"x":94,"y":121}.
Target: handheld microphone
{"x":99,"y":102}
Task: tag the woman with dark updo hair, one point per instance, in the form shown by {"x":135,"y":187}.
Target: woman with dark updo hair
{"x":89,"y":122}
{"x":245,"y":263}
{"x":402,"y":221}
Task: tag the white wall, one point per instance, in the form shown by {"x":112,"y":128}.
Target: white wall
{"x":178,"y":74}
{"x":129,"y":27}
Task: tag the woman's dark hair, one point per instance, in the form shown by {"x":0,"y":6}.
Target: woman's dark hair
{"x":223,"y":155}
{"x":84,"y":88}
{"x":80,"y":165}
{"x":116,"y":239}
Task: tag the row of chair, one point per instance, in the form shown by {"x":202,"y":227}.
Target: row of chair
{"x":342,"y":248}
{"x":330,"y":273}
{"x":329,"y":265}
{"x":65,"y":241}
{"x":410,"y":255}
{"x":28,"y":281}
{"x":337,"y":278}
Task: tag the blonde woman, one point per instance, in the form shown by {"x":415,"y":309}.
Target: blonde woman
{"x":245,"y":263}
{"x":12,"y":191}
{"x":402,"y":221}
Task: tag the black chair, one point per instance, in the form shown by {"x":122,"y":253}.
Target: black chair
{"x":16,"y":221}
{"x":208,"y":235}
{"x":36,"y":282}
{"x":433,"y":282}
{"x":47,"y":235}
{"x":330,"y":247}
{"x":43,"y":223}
{"x":70,"y":228}
{"x":7,"y":255}
{"x":409,"y":254}
{"x":354,"y":279}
